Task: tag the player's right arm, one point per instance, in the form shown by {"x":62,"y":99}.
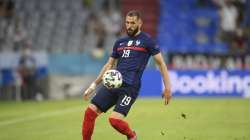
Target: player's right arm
{"x":88,"y":92}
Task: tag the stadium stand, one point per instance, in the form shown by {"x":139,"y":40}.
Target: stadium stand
{"x":184,"y":27}
{"x":55,"y":25}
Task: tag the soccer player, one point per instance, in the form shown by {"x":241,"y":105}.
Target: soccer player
{"x":130,"y":54}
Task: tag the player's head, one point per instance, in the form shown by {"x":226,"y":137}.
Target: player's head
{"x":133,"y":22}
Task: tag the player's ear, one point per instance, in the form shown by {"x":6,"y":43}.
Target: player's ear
{"x":140,"y":22}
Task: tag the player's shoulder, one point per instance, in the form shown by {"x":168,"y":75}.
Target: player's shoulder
{"x":147,"y":37}
{"x":121,"y":39}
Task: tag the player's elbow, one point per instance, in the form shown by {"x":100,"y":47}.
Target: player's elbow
{"x":108,"y":66}
{"x":160,"y":63}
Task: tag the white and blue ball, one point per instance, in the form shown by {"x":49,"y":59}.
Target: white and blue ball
{"x":112,"y":79}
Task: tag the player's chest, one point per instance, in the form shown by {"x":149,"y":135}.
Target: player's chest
{"x":131,"y":49}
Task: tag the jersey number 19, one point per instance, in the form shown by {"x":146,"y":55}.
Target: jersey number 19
{"x":126,"y":100}
{"x":126,"y":53}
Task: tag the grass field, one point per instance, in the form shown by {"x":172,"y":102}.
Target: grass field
{"x":184,"y":118}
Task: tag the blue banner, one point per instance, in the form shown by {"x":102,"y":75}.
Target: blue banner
{"x":215,"y":83}
{"x":151,"y":83}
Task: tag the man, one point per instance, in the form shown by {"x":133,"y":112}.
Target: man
{"x":27,"y":70}
{"x":131,"y":54}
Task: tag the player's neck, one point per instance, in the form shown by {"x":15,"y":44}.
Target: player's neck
{"x":137,"y":33}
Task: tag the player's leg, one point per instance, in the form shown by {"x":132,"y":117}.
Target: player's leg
{"x":117,"y":121}
{"x":100,"y":103}
{"x":127,"y":96}
{"x":91,"y":113}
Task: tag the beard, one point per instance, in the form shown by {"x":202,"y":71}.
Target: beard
{"x":131,"y":32}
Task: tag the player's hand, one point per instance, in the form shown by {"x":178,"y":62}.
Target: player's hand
{"x":167,"y":95}
{"x":89,"y":91}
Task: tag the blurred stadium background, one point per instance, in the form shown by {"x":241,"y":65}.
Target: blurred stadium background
{"x":53,"y":49}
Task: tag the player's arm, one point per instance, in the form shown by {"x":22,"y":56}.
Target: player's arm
{"x":98,"y":80}
{"x":106,"y":67}
{"x":164,"y":72}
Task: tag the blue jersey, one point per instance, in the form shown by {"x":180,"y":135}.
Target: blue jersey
{"x":133,"y":54}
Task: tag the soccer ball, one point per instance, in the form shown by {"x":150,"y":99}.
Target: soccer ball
{"x":112,"y":79}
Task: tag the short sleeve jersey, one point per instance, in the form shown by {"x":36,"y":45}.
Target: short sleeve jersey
{"x":133,"y":54}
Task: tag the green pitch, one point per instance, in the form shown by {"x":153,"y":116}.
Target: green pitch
{"x":183,"y":119}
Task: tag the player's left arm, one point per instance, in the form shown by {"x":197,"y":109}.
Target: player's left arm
{"x":164,"y":72}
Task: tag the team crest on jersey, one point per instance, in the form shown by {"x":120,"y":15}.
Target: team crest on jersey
{"x":138,"y":42}
{"x":130,"y":42}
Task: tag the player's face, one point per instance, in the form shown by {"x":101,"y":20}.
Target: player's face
{"x":133,"y":25}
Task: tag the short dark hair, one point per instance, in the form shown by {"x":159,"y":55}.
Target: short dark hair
{"x":135,"y":13}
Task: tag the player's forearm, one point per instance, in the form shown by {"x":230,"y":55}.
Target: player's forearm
{"x":104,"y":69}
{"x":164,"y":73}
{"x":163,"y":69}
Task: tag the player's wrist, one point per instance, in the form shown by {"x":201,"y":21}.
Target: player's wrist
{"x":93,"y":85}
{"x":167,"y":86}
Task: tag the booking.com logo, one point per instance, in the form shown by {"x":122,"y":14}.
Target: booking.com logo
{"x":209,"y":82}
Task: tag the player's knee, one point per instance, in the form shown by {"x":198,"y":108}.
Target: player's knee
{"x":115,"y":117}
{"x":94,"y":108}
